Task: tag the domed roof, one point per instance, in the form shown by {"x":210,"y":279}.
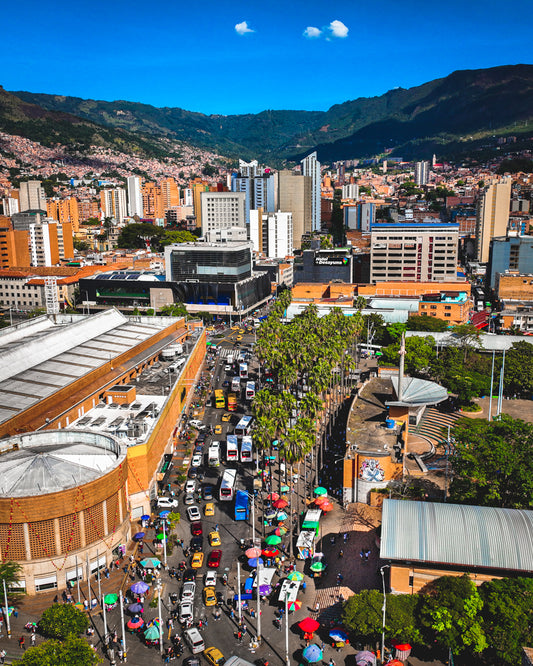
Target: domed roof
{"x":50,"y":461}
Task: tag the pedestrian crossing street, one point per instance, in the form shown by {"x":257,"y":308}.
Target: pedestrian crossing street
{"x":224,"y":352}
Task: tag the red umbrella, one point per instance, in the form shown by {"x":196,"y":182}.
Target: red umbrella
{"x":280,"y":503}
{"x":321,"y":500}
{"x":273,"y":496}
{"x":271,"y":552}
{"x":326,"y":507}
{"x":309,"y":625}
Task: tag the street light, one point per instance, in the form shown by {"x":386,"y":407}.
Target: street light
{"x":384,"y":609}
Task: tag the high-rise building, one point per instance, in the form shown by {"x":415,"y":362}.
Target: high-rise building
{"x":513,"y":253}
{"x":10,"y":205}
{"x":152,"y":202}
{"x":350,"y":191}
{"x":250,"y":169}
{"x":32,"y":196}
{"x":311,"y":168}
{"x":294,"y":196}
{"x":259,"y":190}
{"x":135,"y":199}
{"x":421,"y":173}
{"x":113,"y":203}
{"x":492,"y":216}
{"x":64,"y":210}
{"x":14,"y":246}
{"x":198,"y":186}
{"x":170,"y":193}
{"x":271,"y":233}
{"x":222,"y":210}
{"x":417,"y":252}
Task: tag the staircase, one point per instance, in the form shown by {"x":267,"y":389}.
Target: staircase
{"x":434,"y":426}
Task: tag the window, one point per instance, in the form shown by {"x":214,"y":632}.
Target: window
{"x":447,"y":314}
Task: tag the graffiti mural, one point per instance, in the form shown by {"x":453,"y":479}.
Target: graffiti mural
{"x":371,"y":471}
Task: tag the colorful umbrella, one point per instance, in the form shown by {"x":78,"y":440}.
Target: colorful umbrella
{"x":317,"y":566}
{"x":139,"y":536}
{"x":294,"y":605}
{"x":135,"y":624}
{"x":365,"y":658}
{"x":281,"y":516}
{"x":135,"y":608}
{"x":270,"y":514}
{"x":280,"y":503}
{"x":312,"y":653}
{"x":295,"y":575}
{"x":320,"y":491}
{"x":253,"y":552}
{"x":111,"y":598}
{"x":309,"y":625}
{"x":254,"y":561}
{"x":164,"y":514}
{"x":284,"y":489}
{"x":139,"y":587}
{"x":145,"y":517}
{"x":326,"y":507}
{"x":273,"y":540}
{"x":264,"y":590}
{"x":152,"y":633}
{"x":273,"y":497}
{"x":338,"y":635}
{"x":322,"y":499}
{"x":280,"y":531}
{"x":155,"y":622}
{"x":150,"y":563}
{"x":270,"y":552}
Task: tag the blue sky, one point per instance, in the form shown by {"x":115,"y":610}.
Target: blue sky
{"x":190,"y":55}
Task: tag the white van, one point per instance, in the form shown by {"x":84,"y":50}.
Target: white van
{"x":167,"y":503}
{"x":194,"y":640}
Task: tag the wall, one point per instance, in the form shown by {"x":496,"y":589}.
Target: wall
{"x":400,"y":288}
{"x":516,"y":287}
{"x":410,"y":579}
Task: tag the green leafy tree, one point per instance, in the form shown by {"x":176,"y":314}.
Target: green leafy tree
{"x":508,"y":617}
{"x":518,"y":377}
{"x":419,"y":355}
{"x":60,"y":653}
{"x":174,"y":310}
{"x":394,"y":332}
{"x":467,"y":336}
{"x":173,"y":237}
{"x":10,"y":572}
{"x":81,"y":246}
{"x":135,"y":236}
{"x":63,"y":620}
{"x":425,"y":323}
{"x":450,"y":614}
{"x":493,"y":463}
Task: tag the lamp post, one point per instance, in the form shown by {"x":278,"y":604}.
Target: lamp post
{"x":158,"y":588}
{"x":287,"y":660}
{"x":384,"y":609}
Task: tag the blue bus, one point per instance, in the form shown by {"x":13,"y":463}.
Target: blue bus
{"x":242,"y":503}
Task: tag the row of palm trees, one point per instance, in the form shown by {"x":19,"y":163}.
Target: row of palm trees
{"x":309,"y":359}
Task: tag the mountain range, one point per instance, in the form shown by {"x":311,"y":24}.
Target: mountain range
{"x":447,"y":116}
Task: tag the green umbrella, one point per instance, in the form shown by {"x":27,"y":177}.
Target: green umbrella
{"x":295,"y":575}
{"x":318,"y":566}
{"x":285,"y":489}
{"x":152,"y":633}
{"x":161,"y":537}
{"x":150,"y":563}
{"x":320,"y":491}
{"x":273,"y":540}
{"x":111,"y":598}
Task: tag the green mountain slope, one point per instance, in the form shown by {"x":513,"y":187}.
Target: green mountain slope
{"x":409,"y":121}
{"x":51,"y":127}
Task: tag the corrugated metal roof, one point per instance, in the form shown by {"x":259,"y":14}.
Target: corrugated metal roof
{"x":486,"y":342}
{"x":418,"y":391}
{"x":471,"y":536}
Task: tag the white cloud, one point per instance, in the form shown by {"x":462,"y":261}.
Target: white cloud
{"x":242,"y":28}
{"x":338,"y":29}
{"x":311,"y":32}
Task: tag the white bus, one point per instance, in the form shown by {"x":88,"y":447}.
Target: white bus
{"x":250,"y":390}
{"x":236,"y":385}
{"x":213,"y":454}
{"x":243,"y":370}
{"x":244,"y":427}
{"x":232,"y":449}
{"x":246,"y":449}
{"x":227,"y":485}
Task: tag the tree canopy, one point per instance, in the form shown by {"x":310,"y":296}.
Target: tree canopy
{"x":73,"y":650}
{"x":493,"y":463}
{"x":63,"y":620}
{"x":134,"y":236}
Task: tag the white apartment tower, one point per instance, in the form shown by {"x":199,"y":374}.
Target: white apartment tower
{"x":114,"y":204}
{"x":311,"y":168}
{"x":135,"y":199}
{"x":421,"y":173}
{"x":32,"y":196}
{"x":222,"y":210}
{"x":271,"y":233}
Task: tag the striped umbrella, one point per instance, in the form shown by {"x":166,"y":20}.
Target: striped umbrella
{"x":280,"y":531}
{"x":294,"y":605}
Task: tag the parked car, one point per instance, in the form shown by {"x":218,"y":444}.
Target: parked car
{"x":195,"y":423}
{"x":193,"y":513}
{"x":167,"y":502}
{"x":210,"y":597}
{"x":197,"y":560}
{"x":213,"y":561}
{"x":207,"y":492}
{"x":197,"y":544}
{"x":188,"y":575}
{"x":214,"y":539}
{"x":209,"y":509}
{"x":210,"y":579}
{"x":190,"y":487}
{"x":196,"y":529}
{"x":187,"y":591}
{"x":214,"y":656}
{"x":188,"y":499}
{"x":194,"y":640}
{"x":196,"y":460}
{"x":186,"y":611}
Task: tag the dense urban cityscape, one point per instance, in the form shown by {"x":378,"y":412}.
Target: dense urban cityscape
{"x":265,"y":412}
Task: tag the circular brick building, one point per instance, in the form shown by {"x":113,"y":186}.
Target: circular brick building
{"x":63,"y":505}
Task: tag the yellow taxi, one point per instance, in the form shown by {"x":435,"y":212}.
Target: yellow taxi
{"x":241,"y":331}
{"x":214,"y":539}
{"x":214,"y":656}
{"x":210,"y":328}
{"x":210,"y":597}
{"x":239,"y":338}
{"x":218,"y":429}
{"x":226,"y":417}
{"x":234,"y":328}
{"x":197,"y":560}
{"x":209,"y":509}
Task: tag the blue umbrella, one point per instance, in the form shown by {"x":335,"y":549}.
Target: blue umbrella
{"x":338,"y":635}
{"x":312,"y":653}
{"x":139,"y":536}
{"x":254,"y":561}
{"x":164,"y":514}
{"x":145,"y":517}
{"x":135,"y":608}
{"x":139,"y":587}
